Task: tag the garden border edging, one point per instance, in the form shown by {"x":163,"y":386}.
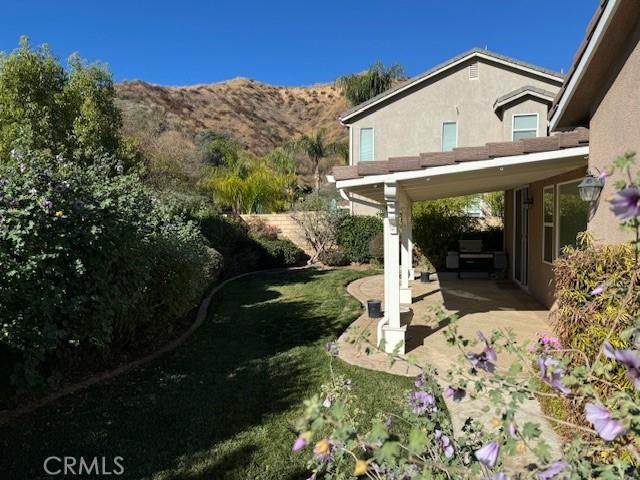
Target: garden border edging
{"x":203,"y":310}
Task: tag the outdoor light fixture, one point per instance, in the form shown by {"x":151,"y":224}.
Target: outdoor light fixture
{"x":590,"y":188}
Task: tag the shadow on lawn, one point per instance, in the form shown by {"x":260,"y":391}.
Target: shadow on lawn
{"x":240,"y":367}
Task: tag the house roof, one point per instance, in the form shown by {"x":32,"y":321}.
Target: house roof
{"x":606,"y":38}
{"x":578,"y":55}
{"x":424,"y":161}
{"x":475,"y":52}
{"x":522,"y":92}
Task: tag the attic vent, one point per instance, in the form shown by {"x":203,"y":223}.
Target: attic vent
{"x":473,"y":71}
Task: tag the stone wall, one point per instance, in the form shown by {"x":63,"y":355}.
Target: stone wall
{"x":286,"y":225}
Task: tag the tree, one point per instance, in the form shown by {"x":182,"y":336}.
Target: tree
{"x":45,"y":108}
{"x":360,"y":87}
{"x":316,"y":148}
{"x":248,"y":185}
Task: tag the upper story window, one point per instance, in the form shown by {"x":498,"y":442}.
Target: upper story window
{"x":449,"y":136}
{"x":525,"y":126}
{"x":366,"y":144}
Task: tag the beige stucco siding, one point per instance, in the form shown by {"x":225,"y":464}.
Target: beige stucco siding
{"x":614,"y":130}
{"x":413,"y":124}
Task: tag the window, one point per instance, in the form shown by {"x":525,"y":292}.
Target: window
{"x":366,"y":144}
{"x":548,"y":206}
{"x":449,"y":136}
{"x":525,"y":126}
{"x":573,"y":214}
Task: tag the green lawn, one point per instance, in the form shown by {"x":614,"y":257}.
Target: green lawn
{"x":222,"y":405}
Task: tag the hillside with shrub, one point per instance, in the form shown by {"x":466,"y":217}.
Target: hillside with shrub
{"x":259,"y":116}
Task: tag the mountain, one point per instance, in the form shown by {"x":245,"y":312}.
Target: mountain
{"x":258,"y":115}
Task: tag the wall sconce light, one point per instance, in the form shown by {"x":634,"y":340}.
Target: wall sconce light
{"x":590,"y":188}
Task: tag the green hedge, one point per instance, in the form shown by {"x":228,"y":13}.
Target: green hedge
{"x":438,"y":225}
{"x":244,"y":251}
{"x":354,"y":235}
{"x":280,"y":252}
{"x":87,"y":260}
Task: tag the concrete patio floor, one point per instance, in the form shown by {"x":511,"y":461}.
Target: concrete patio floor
{"x":480,"y":305}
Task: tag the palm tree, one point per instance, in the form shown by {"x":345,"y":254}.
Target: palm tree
{"x":360,"y":87}
{"x":316,"y":148}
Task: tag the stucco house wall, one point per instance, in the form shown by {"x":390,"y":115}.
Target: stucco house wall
{"x":614,"y":130}
{"x":413,"y":124}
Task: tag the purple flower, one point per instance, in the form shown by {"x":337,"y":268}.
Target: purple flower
{"x":422,"y":402}
{"x":629,"y":358}
{"x":61,"y":187}
{"x":601,"y":419}
{"x":500,"y":476}
{"x":488,"y":455}
{"x":488,"y":348}
{"x":551,"y":373}
{"x":480,"y":360}
{"x":484,"y":360}
{"x":597,"y":291}
{"x":625,"y":204}
{"x":554,"y":469}
{"x":420,"y":380}
{"x":444,"y":443}
{"x":513,"y":430}
{"x":46,"y":205}
{"x":604,"y":174}
{"x":332,"y":349}
{"x":17,"y":155}
{"x":455,"y":393}
{"x":300,"y":443}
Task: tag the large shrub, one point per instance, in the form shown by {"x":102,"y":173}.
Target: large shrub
{"x":279,"y":252}
{"x":582,"y":321}
{"x":439,"y":224}
{"x":244,"y":250}
{"x":86,"y":258}
{"x":355,"y":233}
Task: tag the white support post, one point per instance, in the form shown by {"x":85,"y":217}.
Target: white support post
{"x":394,"y":332}
{"x":405,"y":275}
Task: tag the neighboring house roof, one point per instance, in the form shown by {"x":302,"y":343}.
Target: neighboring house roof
{"x":527,"y":90}
{"x":475,"y":52}
{"x":595,"y":31}
{"x":561,"y":141}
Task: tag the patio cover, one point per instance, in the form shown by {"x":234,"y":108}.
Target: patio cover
{"x":394,"y":184}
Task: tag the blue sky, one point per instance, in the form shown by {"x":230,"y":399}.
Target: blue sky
{"x":288,"y":42}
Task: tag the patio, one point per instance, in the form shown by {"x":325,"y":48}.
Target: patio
{"x":481,"y":305}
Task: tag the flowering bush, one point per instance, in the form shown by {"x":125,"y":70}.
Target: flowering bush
{"x":421,"y":443}
{"x":87,"y":257}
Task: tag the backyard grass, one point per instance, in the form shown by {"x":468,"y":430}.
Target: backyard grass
{"x":221,"y":406}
